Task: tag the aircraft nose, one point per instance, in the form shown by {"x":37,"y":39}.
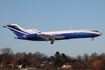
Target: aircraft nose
{"x":100,"y":33}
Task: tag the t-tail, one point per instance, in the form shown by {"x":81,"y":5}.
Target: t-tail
{"x":16,"y":29}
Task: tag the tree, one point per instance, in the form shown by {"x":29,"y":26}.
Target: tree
{"x":34,"y":60}
{"x":79,"y":58}
{"x":93,"y":55}
{"x":38,"y":55}
{"x":24,"y":54}
{"x":18,"y":55}
{"x":29,"y":55}
{"x":70,"y":58}
{"x":44,"y":57}
{"x":63,"y":55}
{"x":6,"y":55}
{"x":86,"y":57}
{"x":7,"y":51}
{"x":58,"y":62}
{"x":15,"y":62}
{"x":57,"y":55}
{"x":6,"y":58}
{"x":98,"y":64}
{"x":102,"y":56}
{"x":24,"y":63}
{"x":64,"y":58}
{"x":103,"y":61}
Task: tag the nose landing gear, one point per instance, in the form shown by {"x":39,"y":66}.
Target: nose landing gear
{"x":92,"y":39}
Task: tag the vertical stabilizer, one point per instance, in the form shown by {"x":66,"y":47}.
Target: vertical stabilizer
{"x":16,"y":29}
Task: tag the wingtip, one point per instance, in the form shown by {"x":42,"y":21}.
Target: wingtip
{"x":4,"y":26}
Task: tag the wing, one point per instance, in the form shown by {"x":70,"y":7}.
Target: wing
{"x":51,"y":37}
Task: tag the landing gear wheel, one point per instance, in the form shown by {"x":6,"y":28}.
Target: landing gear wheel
{"x":52,"y":42}
{"x":92,"y":39}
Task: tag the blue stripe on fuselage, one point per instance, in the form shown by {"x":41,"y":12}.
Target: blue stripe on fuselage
{"x":68,"y":36}
{"x":72,"y":35}
{"x":79,"y":35}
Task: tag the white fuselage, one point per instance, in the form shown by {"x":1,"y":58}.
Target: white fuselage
{"x":35,"y":35}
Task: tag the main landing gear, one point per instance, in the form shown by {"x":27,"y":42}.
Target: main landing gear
{"x":52,"y":41}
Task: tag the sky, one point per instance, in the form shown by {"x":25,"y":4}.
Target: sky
{"x":53,"y":15}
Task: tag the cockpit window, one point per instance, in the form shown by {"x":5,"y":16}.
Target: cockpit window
{"x":94,"y":30}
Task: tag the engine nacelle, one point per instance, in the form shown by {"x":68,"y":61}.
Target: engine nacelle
{"x":30,"y":35}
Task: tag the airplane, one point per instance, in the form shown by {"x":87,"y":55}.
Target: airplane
{"x":35,"y":35}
